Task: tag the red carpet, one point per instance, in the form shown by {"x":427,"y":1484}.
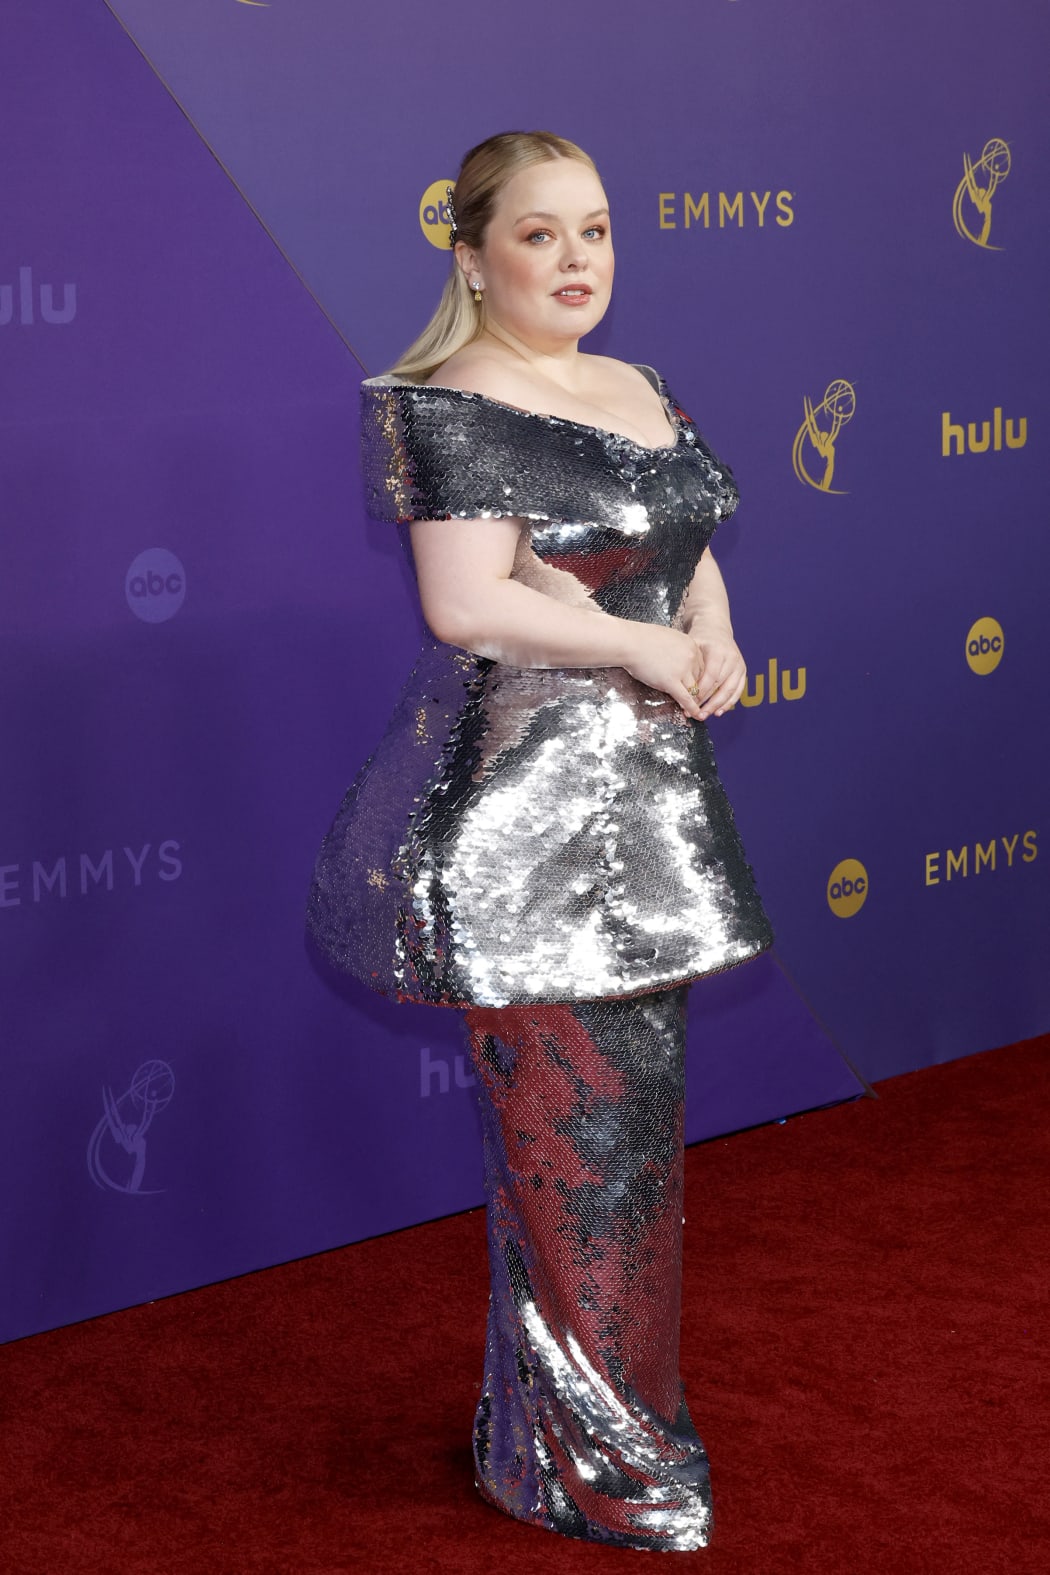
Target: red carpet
{"x":865,"y":1355}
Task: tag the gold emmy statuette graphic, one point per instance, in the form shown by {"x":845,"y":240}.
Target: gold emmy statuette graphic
{"x":972,"y":203}
{"x":819,"y":433}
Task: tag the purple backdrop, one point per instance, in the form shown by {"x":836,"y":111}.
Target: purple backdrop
{"x":213,"y":228}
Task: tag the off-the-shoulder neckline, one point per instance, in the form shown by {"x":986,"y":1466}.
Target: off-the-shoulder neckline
{"x":674,"y":417}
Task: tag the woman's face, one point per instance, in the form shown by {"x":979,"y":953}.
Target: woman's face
{"x":546,"y":265}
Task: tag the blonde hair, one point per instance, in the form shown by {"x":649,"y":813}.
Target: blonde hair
{"x":484,"y":172}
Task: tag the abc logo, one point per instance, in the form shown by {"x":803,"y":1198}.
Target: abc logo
{"x":155,"y":585}
{"x":433,"y":213}
{"x":847,"y":888}
{"x":984,"y":645}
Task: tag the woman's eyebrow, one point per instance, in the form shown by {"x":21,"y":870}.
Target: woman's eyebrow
{"x":597,"y":213}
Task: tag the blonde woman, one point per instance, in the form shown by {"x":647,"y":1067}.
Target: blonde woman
{"x":542,"y":841}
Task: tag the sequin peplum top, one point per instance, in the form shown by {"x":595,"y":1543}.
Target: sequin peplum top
{"x":539,"y":835}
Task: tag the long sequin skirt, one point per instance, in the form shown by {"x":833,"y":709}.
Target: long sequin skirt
{"x":582,"y":1425}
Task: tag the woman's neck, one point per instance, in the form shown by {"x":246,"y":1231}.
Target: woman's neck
{"x":558,"y":362}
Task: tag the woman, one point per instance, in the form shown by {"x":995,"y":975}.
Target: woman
{"x":541,"y":840}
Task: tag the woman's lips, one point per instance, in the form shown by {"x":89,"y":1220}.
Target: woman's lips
{"x":573,"y":294}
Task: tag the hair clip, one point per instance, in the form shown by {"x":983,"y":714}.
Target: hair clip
{"x":453,"y":227}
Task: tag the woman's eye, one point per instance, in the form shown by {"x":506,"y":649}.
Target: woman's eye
{"x":538,"y":235}
{"x":595,"y":229}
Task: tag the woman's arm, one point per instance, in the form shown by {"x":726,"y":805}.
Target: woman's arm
{"x":705,"y":616}
{"x":463,"y":568}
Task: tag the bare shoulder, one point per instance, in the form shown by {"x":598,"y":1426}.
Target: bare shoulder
{"x":476,"y":370}
{"x":623,"y":375}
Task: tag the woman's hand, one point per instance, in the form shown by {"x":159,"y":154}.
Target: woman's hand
{"x":723,"y":672}
{"x":704,"y":615}
{"x":668,"y":660}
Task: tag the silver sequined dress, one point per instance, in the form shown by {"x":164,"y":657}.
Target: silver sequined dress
{"x":539,"y":835}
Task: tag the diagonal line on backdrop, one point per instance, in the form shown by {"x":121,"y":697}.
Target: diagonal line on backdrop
{"x":233,"y":182}
{"x":869,"y":1092}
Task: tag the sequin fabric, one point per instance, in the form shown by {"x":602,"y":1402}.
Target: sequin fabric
{"x":539,"y":835}
{"x":582,"y":1426}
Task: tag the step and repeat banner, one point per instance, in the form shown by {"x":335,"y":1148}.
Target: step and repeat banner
{"x":831,"y":238}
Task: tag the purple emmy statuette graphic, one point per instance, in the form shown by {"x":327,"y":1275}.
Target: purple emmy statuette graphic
{"x":116,"y":1151}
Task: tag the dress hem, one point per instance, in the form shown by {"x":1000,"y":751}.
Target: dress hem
{"x":405,"y":998}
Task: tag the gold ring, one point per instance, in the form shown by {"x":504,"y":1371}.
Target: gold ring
{"x":694,"y":690}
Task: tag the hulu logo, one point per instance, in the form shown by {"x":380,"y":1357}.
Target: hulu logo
{"x":33,"y":301}
{"x":981,"y":436}
{"x":774,"y":685}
